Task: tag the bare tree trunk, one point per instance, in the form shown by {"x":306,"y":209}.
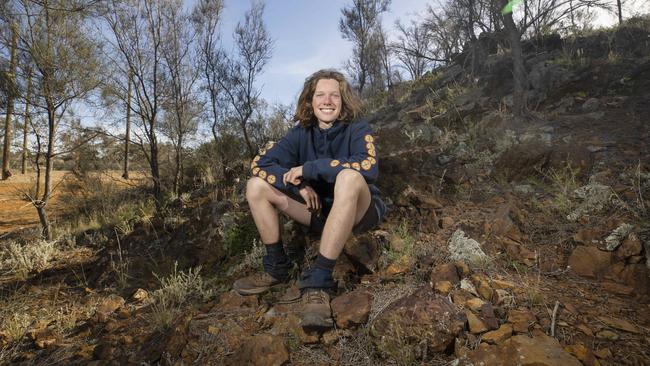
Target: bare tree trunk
{"x":251,"y":150}
{"x":179,"y":166}
{"x":127,"y":136}
{"x":620,"y":11}
{"x":155,"y":169}
{"x":519,"y":96}
{"x":49,"y":168}
{"x":27,"y":120}
{"x":6,"y":150}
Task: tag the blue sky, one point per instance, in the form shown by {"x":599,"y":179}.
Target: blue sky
{"x":307,"y":38}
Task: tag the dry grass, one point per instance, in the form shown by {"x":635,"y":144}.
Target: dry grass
{"x":176,"y":290}
{"x":20,"y":261}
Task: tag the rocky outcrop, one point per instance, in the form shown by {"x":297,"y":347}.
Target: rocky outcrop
{"x":422,"y":319}
{"x":540,"y":350}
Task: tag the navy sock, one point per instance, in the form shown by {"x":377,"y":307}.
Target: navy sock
{"x":275,"y":250}
{"x":325,"y":263}
{"x":276,"y":262}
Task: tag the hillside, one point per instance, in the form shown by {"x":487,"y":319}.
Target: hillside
{"x":509,"y":241}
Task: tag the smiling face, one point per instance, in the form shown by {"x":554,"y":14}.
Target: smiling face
{"x":327,"y":102}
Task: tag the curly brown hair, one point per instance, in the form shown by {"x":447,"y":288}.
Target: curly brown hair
{"x":351,"y":107}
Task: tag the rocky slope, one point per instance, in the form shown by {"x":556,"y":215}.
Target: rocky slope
{"x":508,"y":241}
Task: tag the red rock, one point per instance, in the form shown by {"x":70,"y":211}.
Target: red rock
{"x":619,"y":324}
{"x":631,"y":246}
{"x":583,"y":354}
{"x":618,"y":289}
{"x":498,"y":336}
{"x":462,"y":269}
{"x":633,"y":275}
{"x":261,"y":350}
{"x":541,"y":350}
{"x":521,"y":320}
{"x":589,"y":236}
{"x":445,"y":272}
{"x":487,"y":316}
{"x":422,"y":318}
{"x":482,"y":286}
{"x":352,"y":309}
{"x":476,"y":326}
{"x":343,"y":269}
{"x":446,"y":222}
{"x":234,"y":301}
{"x":364,"y":250}
{"x":589,"y":261}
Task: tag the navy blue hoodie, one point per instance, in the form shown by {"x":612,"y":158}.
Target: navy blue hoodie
{"x":323,"y":154}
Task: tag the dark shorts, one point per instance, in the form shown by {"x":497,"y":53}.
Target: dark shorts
{"x":370,"y":219}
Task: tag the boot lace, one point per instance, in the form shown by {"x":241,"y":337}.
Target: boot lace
{"x":316,"y":297}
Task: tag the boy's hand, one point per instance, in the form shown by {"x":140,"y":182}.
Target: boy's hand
{"x":293,"y":176}
{"x":311,"y":198}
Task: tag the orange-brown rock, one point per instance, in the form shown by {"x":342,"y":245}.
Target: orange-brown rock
{"x":364,"y":250}
{"x":521,"y":320}
{"x":607,"y":335}
{"x":234,"y":301}
{"x":476,"y":326}
{"x":108,"y":306}
{"x":352,"y":309}
{"x":583,"y":354}
{"x":541,"y":350}
{"x":498,"y":336}
{"x":482,"y":286}
{"x":474,"y":304}
{"x":261,"y":350}
{"x":445,"y":272}
{"x":421,"y":317}
{"x":633,"y":275}
{"x":589,"y":261}
{"x":443,"y":287}
{"x":617,"y":288}
{"x":619,"y":324}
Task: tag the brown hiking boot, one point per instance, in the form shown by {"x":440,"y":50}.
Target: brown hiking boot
{"x":255,"y":284}
{"x":316,"y":311}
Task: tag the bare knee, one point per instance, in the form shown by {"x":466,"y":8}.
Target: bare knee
{"x":349,"y":182}
{"x":256,"y":189}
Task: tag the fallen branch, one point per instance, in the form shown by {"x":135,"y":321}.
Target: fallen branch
{"x":557,"y":305}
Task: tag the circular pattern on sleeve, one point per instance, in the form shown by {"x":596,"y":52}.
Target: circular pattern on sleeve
{"x":356,"y":166}
{"x":366,"y":164}
{"x":368,"y":138}
{"x":262,"y":174}
{"x":256,"y":171}
{"x":334,"y":163}
{"x":270,"y":178}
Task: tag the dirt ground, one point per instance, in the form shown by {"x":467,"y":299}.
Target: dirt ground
{"x":17,"y":212}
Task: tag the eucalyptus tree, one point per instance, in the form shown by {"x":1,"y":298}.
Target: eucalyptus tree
{"x":65,"y":64}
{"x":206,"y":19}
{"x":11,"y":94}
{"x":359,"y":23}
{"x":136,"y":28}
{"x":238,"y":73}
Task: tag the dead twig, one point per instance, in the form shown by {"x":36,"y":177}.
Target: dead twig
{"x":557,"y":305}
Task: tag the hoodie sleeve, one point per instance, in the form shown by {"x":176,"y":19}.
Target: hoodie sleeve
{"x":275,"y":159}
{"x":363,"y":158}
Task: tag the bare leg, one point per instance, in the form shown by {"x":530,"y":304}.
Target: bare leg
{"x":263,"y":200}
{"x":351,"y":201}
